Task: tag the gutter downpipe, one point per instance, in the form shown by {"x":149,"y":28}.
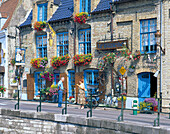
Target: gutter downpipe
{"x":161,"y":55}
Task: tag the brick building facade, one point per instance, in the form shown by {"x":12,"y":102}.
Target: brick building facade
{"x":134,"y":21}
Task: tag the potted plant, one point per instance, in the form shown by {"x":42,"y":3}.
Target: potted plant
{"x":60,"y":61}
{"x":145,"y":107}
{"x":39,"y":25}
{"x":120,"y":100}
{"x":2,"y":89}
{"x":153,"y":102}
{"x":82,"y":59}
{"x":39,"y":62}
{"x":81,"y":17}
{"x":47,"y":74}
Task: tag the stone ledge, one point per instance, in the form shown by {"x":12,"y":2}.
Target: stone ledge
{"x":127,"y":127}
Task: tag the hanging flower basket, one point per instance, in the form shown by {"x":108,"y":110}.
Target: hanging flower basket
{"x":60,"y":61}
{"x":109,"y":58}
{"x":81,"y":17}
{"x":39,"y":25}
{"x":47,"y":74}
{"x":12,"y":61}
{"x":2,"y":89}
{"x":82,"y":59}
{"x":39,"y":62}
{"x":137,"y":55}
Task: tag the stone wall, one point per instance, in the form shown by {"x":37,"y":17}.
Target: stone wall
{"x":21,"y":122}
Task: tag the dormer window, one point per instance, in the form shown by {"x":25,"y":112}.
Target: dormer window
{"x":85,"y":6}
{"x":42,"y":12}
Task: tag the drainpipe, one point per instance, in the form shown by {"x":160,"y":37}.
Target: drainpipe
{"x":111,"y":29}
{"x":161,"y":1}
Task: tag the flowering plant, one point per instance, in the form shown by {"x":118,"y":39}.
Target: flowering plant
{"x":16,"y":78}
{"x":12,"y":61}
{"x":151,"y":100}
{"x":2,"y":89}
{"x":82,"y":59}
{"x":47,"y":74}
{"x":60,"y":61}
{"x":120,"y":97}
{"x":39,"y":25}
{"x":39,"y":62}
{"x":81,"y":17}
{"x":109,"y":58}
{"x":137,"y":55}
{"x":53,"y":90}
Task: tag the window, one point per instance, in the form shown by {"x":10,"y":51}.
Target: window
{"x":147,"y":35}
{"x":42,"y":12}
{"x":41,"y":46}
{"x":90,"y":78}
{"x":0,"y":52}
{"x":85,"y":6}
{"x":71,"y":76}
{"x":84,"y":41}
{"x":62,"y":44}
{"x":40,"y":83}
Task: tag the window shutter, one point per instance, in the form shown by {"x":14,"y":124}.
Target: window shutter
{"x":30,"y":86}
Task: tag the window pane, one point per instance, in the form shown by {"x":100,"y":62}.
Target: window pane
{"x":45,"y":13}
{"x":153,"y":25}
{"x":45,"y":41}
{"x":82,"y":48}
{"x":83,"y":6}
{"x":88,"y":36}
{"x":40,"y":13}
{"x":95,"y":78}
{"x":41,"y":46}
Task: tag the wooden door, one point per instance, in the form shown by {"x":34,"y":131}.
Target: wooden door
{"x":30,"y":86}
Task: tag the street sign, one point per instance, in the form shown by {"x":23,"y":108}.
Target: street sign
{"x":122,"y":70}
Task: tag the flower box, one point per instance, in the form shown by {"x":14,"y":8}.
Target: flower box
{"x":81,"y":17}
{"x":39,"y":62}
{"x":39,"y":25}
{"x":82,"y":59}
{"x":60,"y":61}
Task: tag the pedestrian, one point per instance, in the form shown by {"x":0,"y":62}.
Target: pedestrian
{"x":60,"y":92}
{"x":81,"y":93}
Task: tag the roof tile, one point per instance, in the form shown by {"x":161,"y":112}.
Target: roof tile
{"x":64,"y":11}
{"x":27,"y":22}
{"x":6,"y":9}
{"x":102,"y":6}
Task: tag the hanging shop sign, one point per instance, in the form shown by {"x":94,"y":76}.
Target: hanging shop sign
{"x":111,"y":45}
{"x":20,"y":56}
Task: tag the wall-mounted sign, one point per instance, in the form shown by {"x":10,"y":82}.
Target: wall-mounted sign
{"x":12,"y":82}
{"x":20,"y":55}
{"x":111,"y":45}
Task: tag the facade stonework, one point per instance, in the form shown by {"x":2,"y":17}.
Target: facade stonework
{"x":127,"y":21}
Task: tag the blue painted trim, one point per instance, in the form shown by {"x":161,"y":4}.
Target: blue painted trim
{"x":36,"y":74}
{"x":149,"y":32}
{"x":93,"y":78}
{"x":85,"y":51}
{"x":42,"y":48}
{"x":69,"y":82}
{"x":87,"y":6}
{"x":58,"y":54}
{"x":44,"y":6}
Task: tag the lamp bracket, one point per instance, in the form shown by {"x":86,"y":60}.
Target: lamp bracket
{"x":163,"y":50}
